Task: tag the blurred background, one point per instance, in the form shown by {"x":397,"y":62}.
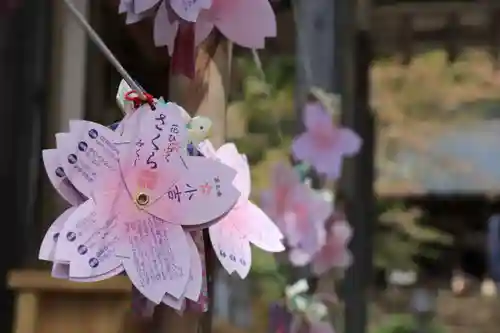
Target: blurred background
{"x":426,"y":99}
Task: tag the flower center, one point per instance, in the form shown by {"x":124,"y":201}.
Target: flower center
{"x":142,"y":199}
{"x":324,"y":137}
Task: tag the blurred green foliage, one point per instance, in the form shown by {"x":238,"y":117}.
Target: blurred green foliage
{"x":267,"y":106}
{"x":405,"y":324}
{"x":401,"y":236}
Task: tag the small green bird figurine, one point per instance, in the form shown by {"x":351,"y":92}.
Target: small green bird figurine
{"x":199,"y":128}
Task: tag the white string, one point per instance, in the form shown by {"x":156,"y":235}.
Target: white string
{"x":104,"y":49}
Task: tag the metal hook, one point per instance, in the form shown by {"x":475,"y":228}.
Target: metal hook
{"x":104,"y":49}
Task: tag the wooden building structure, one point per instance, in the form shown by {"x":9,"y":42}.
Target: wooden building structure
{"x":405,"y":28}
{"x":414,"y":27}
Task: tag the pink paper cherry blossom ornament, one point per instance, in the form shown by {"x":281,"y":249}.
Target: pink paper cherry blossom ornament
{"x":183,"y":25}
{"x":323,"y":144}
{"x":141,"y":193}
{"x":273,"y":201}
{"x":307,"y":214}
{"x":335,"y":253}
{"x":299,"y":213}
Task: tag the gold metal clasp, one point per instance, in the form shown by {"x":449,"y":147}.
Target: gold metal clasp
{"x":142,"y":199}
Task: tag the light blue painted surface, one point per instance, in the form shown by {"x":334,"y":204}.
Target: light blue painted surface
{"x":476,"y":147}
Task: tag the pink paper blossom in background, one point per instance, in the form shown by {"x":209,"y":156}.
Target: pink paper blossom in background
{"x":298,"y":212}
{"x":245,"y":22}
{"x":305,"y":219}
{"x":283,"y":181}
{"x":323,"y":144}
{"x":183,"y":25}
{"x":173,"y":26}
{"x":321,"y":327}
{"x":335,"y":252}
{"x":8,"y":6}
{"x":187,"y":10}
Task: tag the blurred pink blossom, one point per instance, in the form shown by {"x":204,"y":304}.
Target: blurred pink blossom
{"x":298,"y":212}
{"x":273,"y":200}
{"x":323,"y":144}
{"x":335,"y":252}
{"x":321,"y":327}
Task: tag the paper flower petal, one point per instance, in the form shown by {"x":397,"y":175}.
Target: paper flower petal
{"x":125,"y":6}
{"x":335,"y":252}
{"x":89,"y":157}
{"x":321,"y":327}
{"x":232,"y":250}
{"x":246,"y":23}
{"x":298,"y":257}
{"x":349,"y":141}
{"x":193,"y":287}
{"x":229,"y":155}
{"x":314,"y":116}
{"x":165,"y":31}
{"x":189,"y":10}
{"x":259,"y":229}
{"x":73,"y":231}
{"x":58,"y":177}
{"x":140,"y":6}
{"x":49,"y":242}
{"x":155,"y":257}
{"x":153,"y":163}
{"x":203,"y":194}
{"x":304,"y":148}
{"x":88,"y":244}
{"x":273,"y":201}
{"x":175,"y":303}
{"x":328,"y":164}
{"x":203,"y":27}
{"x":324,"y":145}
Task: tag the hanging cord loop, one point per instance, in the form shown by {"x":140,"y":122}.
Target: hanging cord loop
{"x":134,"y":97}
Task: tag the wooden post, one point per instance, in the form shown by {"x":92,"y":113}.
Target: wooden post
{"x":494,"y":36}
{"x":406,"y":37}
{"x":314,"y":64}
{"x":205,"y":95}
{"x":353,"y":58}
{"x":452,"y":36}
{"x":314,"y":49}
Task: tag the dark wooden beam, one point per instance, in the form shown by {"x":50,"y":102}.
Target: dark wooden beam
{"x":452,"y":38}
{"x":406,"y":37}
{"x":353,"y":56}
{"x":494,"y":36}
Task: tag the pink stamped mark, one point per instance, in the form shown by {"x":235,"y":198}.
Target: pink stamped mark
{"x":147,"y":179}
{"x":206,"y":189}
